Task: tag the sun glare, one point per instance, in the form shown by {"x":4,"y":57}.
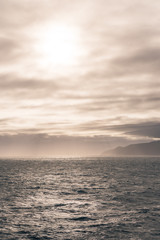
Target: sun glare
{"x":58,"y":46}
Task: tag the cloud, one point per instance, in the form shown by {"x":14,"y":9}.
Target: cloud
{"x":143,"y":129}
{"x":151,"y":130}
{"x":8,"y":49}
{"x":13,"y":82}
{"x":113,"y":89}
{"x":19,"y":88}
{"x":142,"y":61}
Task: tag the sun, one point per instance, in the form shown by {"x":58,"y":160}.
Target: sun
{"x":57,"y":45}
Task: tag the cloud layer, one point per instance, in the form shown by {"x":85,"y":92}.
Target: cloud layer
{"x":113,"y":88}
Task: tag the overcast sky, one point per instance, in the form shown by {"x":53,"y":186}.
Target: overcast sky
{"x":99,"y":89}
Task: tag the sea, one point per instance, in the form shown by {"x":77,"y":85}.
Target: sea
{"x":80,"y":198}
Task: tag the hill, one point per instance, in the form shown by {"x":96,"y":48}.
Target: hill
{"x":141,"y":149}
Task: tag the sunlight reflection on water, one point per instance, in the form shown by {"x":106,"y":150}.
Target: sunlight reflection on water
{"x":77,"y":199}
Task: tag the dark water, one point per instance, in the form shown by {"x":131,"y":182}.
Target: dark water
{"x":80,"y":199}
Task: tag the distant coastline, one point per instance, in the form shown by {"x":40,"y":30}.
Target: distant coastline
{"x":141,"y":149}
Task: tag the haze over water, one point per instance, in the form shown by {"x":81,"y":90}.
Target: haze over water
{"x":92,"y":199}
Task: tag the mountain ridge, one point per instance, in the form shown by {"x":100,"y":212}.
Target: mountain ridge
{"x":139,"y":149}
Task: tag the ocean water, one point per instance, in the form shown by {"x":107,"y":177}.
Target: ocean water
{"x":93,"y":199}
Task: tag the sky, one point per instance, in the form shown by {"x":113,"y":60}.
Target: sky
{"x":78,"y":77}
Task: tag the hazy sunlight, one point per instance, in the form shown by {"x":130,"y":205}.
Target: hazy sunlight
{"x":58,"y":45}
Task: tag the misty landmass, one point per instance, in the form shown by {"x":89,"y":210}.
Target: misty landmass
{"x":141,"y":149}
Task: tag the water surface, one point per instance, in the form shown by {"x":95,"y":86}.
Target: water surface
{"x":92,"y":199}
